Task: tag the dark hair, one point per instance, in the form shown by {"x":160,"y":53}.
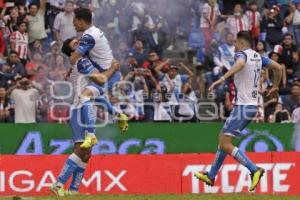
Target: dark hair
{"x":229,"y":33}
{"x":13,"y":52}
{"x":295,"y":85}
{"x":34,"y":4}
{"x":264,"y":43}
{"x":245,"y":35}
{"x":252,"y":3}
{"x":66,"y":48}
{"x":152,"y":51}
{"x":84,"y":14}
{"x":19,"y":22}
{"x":288,"y":34}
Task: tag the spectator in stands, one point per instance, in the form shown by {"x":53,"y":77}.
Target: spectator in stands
{"x":296,"y":64}
{"x":254,"y":19}
{"x":4,"y":106}
{"x":238,"y":22}
{"x":12,"y":19}
{"x":58,"y":71}
{"x":53,"y":9}
{"x":45,"y":103}
{"x":137,"y":93}
{"x":276,"y":55}
{"x":162,"y":106}
{"x":107,"y":16}
{"x":84,"y":3}
{"x":16,"y":67}
{"x":25,"y":97}
{"x":209,"y":63}
{"x":33,"y":65}
{"x":209,"y":16}
{"x":178,"y":80}
{"x":294,"y":19}
{"x":138,"y":9}
{"x":2,"y":41}
{"x":19,"y":41}
{"x":270,"y":101}
{"x":261,"y":48}
{"x":264,"y":83}
{"x":63,"y":24}
{"x":156,"y":34}
{"x":292,"y":100}
{"x":137,"y":54}
{"x":153,"y":87}
{"x":36,"y":21}
{"x":41,"y":80}
{"x":6,"y":77}
{"x":188,"y":109}
{"x":36,"y":47}
{"x":287,"y":55}
{"x":296,"y":115}
{"x":50,"y":57}
{"x":280,"y":115}
{"x":154,"y":60}
{"x":272,"y":24}
{"x":225,"y":57}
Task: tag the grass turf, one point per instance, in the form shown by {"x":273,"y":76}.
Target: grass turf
{"x":163,"y":197}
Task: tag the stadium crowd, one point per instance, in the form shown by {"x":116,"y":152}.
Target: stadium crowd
{"x":146,"y":36}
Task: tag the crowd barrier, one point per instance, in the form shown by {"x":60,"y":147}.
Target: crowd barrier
{"x":146,"y":138}
{"x":150,"y":174}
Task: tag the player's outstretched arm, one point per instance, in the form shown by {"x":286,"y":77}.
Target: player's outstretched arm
{"x":239,"y":64}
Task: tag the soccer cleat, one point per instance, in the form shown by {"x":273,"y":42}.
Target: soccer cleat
{"x":89,"y":142}
{"x":57,"y":190}
{"x":203,"y":176}
{"x":123,"y":122}
{"x":255,"y":178}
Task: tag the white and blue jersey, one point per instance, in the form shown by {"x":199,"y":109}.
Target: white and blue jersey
{"x":80,"y":80}
{"x":79,"y":77}
{"x":246,"y":82}
{"x":95,"y":45}
{"x":178,"y":81}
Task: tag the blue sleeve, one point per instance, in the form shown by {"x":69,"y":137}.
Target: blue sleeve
{"x":184,"y":78}
{"x":240,"y":55}
{"x":85,"y":66}
{"x":161,"y":76}
{"x":86,"y":43}
{"x":265,"y":61}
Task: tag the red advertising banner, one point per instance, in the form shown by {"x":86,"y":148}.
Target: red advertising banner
{"x":150,"y":174}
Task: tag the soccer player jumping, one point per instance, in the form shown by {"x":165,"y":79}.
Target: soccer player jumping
{"x":246,"y":71}
{"x":93,"y":73}
{"x":95,"y":46}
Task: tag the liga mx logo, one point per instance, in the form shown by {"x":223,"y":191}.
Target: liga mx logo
{"x":260,"y":141}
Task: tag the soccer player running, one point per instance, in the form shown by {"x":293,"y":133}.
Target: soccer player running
{"x":246,"y":71}
{"x":95,"y":45}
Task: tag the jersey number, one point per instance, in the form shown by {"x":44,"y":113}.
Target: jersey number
{"x":256,"y":77}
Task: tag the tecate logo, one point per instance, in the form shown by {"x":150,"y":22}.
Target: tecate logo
{"x":274,"y":179}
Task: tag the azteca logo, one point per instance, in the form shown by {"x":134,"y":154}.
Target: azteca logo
{"x":274,"y":180}
{"x":260,"y":141}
